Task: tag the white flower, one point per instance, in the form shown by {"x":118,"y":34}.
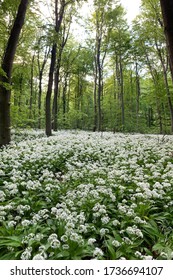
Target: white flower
{"x":11,"y":224}
{"x":91,"y":241}
{"x":147,"y":258}
{"x":2,"y":172}
{"x":2,"y":196}
{"x":105,"y":219}
{"x":65,"y":246}
{"x":38,"y":257}
{"x":116,"y":243}
{"x":64,"y":238}
{"x":115,"y":222}
{"x":25,"y":223}
{"x":103,"y":231}
{"x":83,"y":228}
{"x":26,"y":255}
{"x":98,"y":252}
{"x":138,"y":254}
{"x":52,"y":237}
{"x":39,"y":236}
{"x":55,"y":243}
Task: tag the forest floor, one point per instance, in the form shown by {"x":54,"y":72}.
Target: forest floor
{"x":84,"y":195}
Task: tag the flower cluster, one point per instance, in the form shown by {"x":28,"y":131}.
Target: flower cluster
{"x":84,"y":195}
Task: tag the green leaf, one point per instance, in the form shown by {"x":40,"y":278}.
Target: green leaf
{"x":158,"y":247}
{"x":13,"y":241}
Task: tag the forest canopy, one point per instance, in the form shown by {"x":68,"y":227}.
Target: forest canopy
{"x":115,"y":77}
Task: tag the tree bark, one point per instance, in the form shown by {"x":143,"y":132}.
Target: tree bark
{"x":59,"y":13}
{"x":166,"y":85}
{"x":5,"y":80}
{"x":49,"y":91}
{"x":41,"y":68}
{"x":138,"y":92}
{"x":167,"y":13}
{"x":31,"y":88}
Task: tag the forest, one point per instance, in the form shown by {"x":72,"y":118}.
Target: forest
{"x":114,"y":78}
{"x":86,"y":123}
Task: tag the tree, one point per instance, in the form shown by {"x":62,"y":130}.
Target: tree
{"x":59,"y":12}
{"x":167,"y":13}
{"x":150,"y":41}
{"x":103,"y":24}
{"x":6,"y":71}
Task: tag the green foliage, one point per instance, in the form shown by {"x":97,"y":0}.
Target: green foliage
{"x":122,"y":50}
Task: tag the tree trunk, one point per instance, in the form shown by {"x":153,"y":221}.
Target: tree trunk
{"x":49,"y":91}
{"x":31,"y":88}
{"x":41,"y":71}
{"x":56,"y":92}
{"x":64,"y":98}
{"x":5,"y":80}
{"x":95,"y":97}
{"x":122,"y":95}
{"x":39,"y":98}
{"x":167,"y":13}
{"x":166,"y":84}
{"x":138,"y":91}
{"x":59,"y":13}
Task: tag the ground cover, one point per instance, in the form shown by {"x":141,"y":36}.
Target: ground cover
{"x":83,"y":195}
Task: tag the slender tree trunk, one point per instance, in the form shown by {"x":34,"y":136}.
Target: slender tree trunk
{"x":122,"y":95}
{"x":31,"y":88}
{"x":56,"y":93}
{"x":64,"y":100}
{"x":59,"y":13}
{"x":39,"y":98}
{"x":41,"y":70}
{"x":5,"y":80}
{"x":49,"y":91}
{"x":95,"y":95}
{"x":138,"y":91}
{"x":99,"y":89}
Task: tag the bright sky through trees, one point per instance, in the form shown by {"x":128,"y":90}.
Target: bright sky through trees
{"x":132,"y":8}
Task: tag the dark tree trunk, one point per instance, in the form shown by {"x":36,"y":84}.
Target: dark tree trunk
{"x":122,"y":95}
{"x":49,"y":91}
{"x":167,"y":13}
{"x":95,"y":97}
{"x":56,"y":92}
{"x":41,"y":71}
{"x":59,"y":13}
{"x":165,"y":68}
{"x":31,"y":88}
{"x":5,"y":80}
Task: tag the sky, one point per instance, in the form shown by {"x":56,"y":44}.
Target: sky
{"x":132,"y":8}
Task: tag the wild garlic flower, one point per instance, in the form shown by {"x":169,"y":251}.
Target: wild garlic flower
{"x":116,"y":243}
{"x":38,"y":257}
{"x":26,"y":255}
{"x":2,"y":196}
{"x":91,"y":241}
{"x":98,"y":252}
